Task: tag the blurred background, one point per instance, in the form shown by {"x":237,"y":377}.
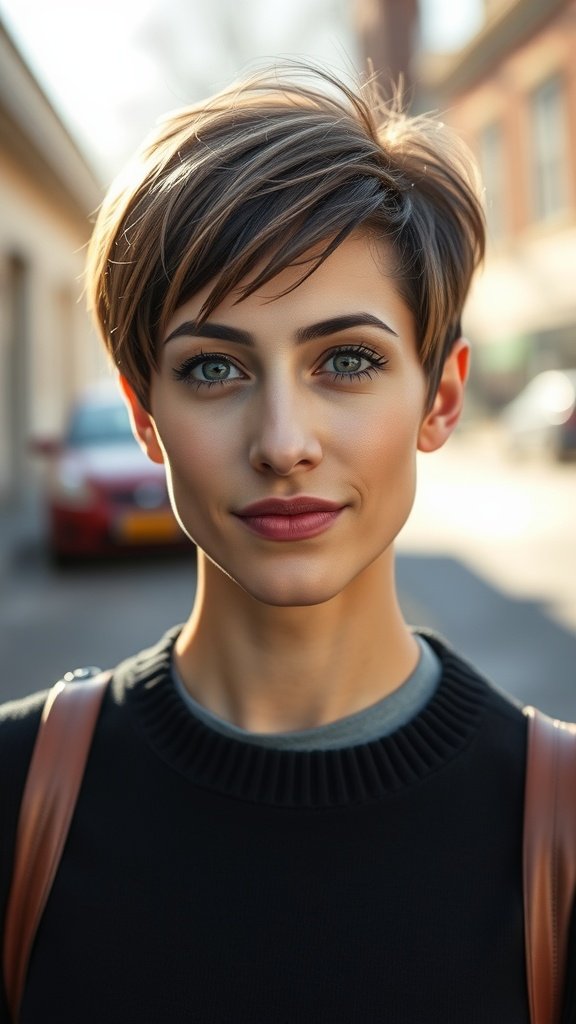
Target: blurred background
{"x":92,"y":565}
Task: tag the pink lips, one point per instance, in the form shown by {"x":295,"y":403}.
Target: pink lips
{"x":289,"y":518}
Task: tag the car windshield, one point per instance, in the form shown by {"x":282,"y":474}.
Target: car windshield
{"x":100,"y":424}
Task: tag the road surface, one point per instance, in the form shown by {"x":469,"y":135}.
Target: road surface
{"x":488,"y":560}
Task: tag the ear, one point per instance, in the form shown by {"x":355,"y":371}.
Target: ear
{"x":440,"y":421}
{"x":143,"y":425}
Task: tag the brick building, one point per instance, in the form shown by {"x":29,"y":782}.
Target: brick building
{"x":511,"y":93}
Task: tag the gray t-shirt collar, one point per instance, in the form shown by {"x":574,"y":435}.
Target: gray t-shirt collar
{"x":364,"y":726}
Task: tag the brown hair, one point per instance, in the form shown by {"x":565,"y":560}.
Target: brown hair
{"x":262,"y":174}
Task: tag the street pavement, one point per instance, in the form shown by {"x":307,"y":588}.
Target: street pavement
{"x":488,"y":560}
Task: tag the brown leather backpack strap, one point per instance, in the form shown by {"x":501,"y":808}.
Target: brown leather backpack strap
{"x":50,"y":794}
{"x":549,"y":860}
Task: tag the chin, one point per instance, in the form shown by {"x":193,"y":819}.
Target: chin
{"x":295,"y":599}
{"x":290,"y":590}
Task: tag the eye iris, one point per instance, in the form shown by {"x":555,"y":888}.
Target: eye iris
{"x":215,"y":369}
{"x":347,"y":362}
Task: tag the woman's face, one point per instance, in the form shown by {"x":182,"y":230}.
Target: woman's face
{"x":289,"y":425}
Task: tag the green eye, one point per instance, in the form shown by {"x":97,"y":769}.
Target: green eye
{"x":214,"y":369}
{"x":347,"y":362}
{"x":207,"y":369}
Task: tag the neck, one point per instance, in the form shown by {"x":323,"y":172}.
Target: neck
{"x":277,"y":669}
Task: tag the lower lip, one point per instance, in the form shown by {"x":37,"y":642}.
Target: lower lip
{"x":292,"y":527}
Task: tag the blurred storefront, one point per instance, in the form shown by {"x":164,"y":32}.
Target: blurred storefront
{"x":47,"y":195}
{"x":511,"y":93}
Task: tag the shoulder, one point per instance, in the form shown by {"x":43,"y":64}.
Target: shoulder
{"x":20,"y":718}
{"x":19,"y":721}
{"x":503,"y":717}
{"x":458,"y":666}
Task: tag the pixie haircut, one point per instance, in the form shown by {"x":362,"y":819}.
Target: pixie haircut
{"x":275,"y":172}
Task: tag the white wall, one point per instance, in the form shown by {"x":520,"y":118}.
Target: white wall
{"x":48,"y":349}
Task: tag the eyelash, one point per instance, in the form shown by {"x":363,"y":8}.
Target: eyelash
{"x":378,"y":364}
{"x":184,"y":371}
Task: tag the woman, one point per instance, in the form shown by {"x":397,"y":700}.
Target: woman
{"x":296,"y":808}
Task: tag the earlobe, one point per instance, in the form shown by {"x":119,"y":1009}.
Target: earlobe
{"x":143,"y":425}
{"x":442,"y":418}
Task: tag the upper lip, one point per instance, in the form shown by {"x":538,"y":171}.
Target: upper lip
{"x":289,"y":506}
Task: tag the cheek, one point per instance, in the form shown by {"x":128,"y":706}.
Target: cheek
{"x":195,"y":453}
{"x":386,"y":470}
{"x":386,"y":442}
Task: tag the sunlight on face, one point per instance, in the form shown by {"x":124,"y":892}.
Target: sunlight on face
{"x":289,"y":427}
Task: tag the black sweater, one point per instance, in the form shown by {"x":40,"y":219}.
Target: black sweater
{"x":214,"y":881}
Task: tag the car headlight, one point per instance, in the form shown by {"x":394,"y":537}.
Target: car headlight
{"x":70,"y":487}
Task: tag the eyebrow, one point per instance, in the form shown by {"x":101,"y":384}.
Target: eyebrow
{"x":322,"y":329}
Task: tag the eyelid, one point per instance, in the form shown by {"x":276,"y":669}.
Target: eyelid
{"x":203,"y":357}
{"x":357,"y":348}
{"x":376,"y":360}
{"x":183,"y":371}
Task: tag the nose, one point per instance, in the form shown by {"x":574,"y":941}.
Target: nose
{"x":284,"y":436}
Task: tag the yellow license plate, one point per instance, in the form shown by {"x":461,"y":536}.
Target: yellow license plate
{"x":148,"y":527}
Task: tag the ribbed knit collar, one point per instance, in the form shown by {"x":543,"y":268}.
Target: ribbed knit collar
{"x":243,"y":770}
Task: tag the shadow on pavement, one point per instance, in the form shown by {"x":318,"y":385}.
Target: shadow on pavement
{"x":99,"y":611}
{"x":516,"y":643}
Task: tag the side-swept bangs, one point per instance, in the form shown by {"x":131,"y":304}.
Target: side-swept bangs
{"x":274,"y":173}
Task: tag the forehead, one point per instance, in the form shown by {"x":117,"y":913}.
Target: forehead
{"x":357,"y":276}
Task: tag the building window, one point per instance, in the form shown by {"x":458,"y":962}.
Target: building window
{"x":492,"y":165}
{"x":549,"y":156}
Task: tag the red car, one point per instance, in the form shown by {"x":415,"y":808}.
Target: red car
{"x":103,"y":492}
